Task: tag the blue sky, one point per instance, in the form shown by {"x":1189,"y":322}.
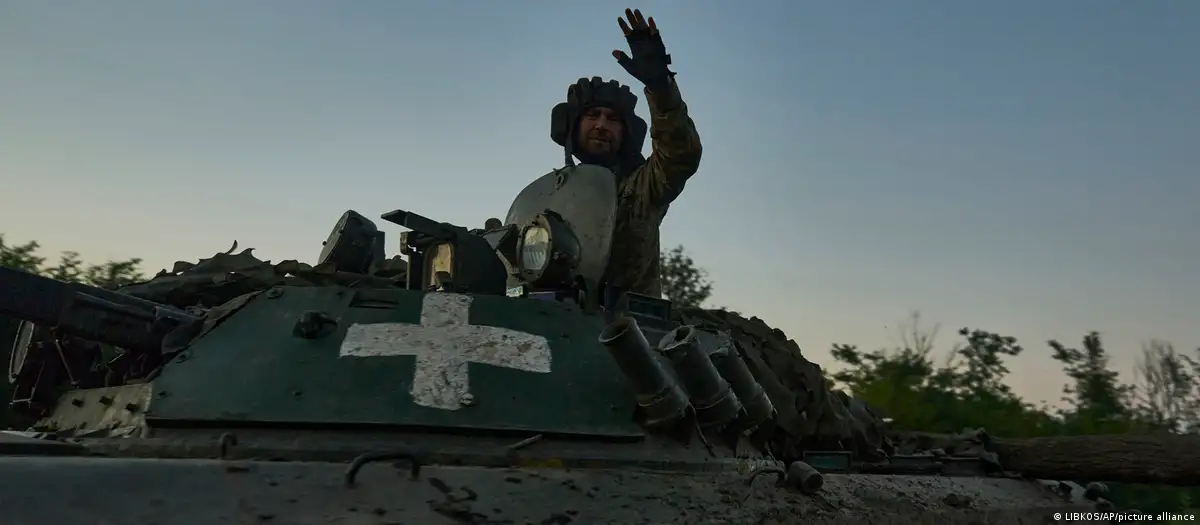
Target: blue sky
{"x":1024,"y":167}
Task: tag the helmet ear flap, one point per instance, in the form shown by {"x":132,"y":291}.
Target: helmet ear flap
{"x":560,"y":123}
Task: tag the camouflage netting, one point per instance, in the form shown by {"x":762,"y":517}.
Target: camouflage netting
{"x":811,"y":414}
{"x":225,"y":276}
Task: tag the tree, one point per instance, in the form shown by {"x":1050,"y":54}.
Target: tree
{"x":966,"y":391}
{"x":1167,"y":394}
{"x":20,"y":256}
{"x":908,"y":385}
{"x":1099,"y":403}
{"x":70,"y":267}
{"x":682,"y":282}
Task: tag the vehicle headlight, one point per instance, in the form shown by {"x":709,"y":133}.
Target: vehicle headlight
{"x":535,"y":248}
{"x":548,"y":253}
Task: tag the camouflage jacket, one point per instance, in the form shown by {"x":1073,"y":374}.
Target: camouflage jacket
{"x":646,"y":193}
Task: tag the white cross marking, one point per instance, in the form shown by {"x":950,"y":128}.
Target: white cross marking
{"x":444,"y":344}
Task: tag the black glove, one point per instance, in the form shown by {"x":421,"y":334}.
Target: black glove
{"x":650,"y":58}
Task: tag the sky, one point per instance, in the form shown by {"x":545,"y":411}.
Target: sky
{"x":1025,"y":167}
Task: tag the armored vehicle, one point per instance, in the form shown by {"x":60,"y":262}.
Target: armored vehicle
{"x":491,"y":377}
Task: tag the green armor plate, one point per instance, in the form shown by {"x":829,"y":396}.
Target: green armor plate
{"x":402,"y":358}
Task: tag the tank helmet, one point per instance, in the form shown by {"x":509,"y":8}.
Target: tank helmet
{"x":584,"y":94}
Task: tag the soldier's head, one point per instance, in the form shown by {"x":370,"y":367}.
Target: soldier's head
{"x":601,"y":132}
{"x":598,"y":124}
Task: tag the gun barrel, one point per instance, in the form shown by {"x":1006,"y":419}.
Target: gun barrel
{"x":87,"y":311}
{"x":32,"y":298}
{"x":422,"y":224}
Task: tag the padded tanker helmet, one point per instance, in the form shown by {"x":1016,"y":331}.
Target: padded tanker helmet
{"x":584,"y":94}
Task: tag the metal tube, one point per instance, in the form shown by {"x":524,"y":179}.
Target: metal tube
{"x":697,"y":372}
{"x":804,"y":477}
{"x":628,"y":346}
{"x":150,"y":307}
{"x":734,"y":370}
{"x":660,"y":399}
{"x":715,"y":402}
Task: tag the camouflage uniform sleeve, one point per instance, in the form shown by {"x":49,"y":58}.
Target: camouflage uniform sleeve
{"x":676,"y":144}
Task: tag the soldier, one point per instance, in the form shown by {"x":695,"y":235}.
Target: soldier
{"x":598,"y":125}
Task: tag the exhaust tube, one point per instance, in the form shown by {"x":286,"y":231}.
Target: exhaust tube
{"x":716,"y":404}
{"x":734,"y":370}
{"x":658,"y":393}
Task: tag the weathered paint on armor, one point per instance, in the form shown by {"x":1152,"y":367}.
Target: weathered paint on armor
{"x":268,"y":373}
{"x":444,"y":344}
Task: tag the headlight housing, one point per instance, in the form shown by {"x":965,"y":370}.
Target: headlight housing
{"x":548,"y":252}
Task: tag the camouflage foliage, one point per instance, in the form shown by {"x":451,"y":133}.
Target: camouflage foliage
{"x":225,"y":276}
{"x":811,"y":414}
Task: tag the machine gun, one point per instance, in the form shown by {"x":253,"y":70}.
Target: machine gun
{"x":56,"y":343}
{"x":446,"y":257}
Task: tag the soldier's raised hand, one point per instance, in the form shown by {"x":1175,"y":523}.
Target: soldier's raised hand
{"x":650,"y":59}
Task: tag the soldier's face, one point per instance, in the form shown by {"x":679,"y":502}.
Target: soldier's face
{"x":600,"y":131}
